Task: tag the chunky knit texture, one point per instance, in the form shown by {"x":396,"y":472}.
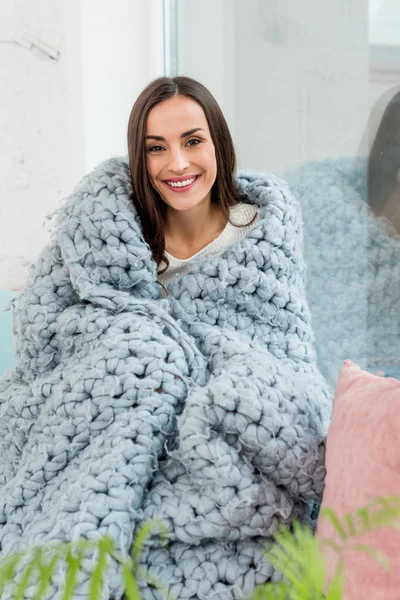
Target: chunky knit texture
{"x":353,"y":268}
{"x":240,"y":214}
{"x":205,"y":409}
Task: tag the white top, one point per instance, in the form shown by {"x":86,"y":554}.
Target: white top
{"x":240,"y":214}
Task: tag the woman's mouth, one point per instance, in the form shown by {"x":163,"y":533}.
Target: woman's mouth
{"x":183,"y":186}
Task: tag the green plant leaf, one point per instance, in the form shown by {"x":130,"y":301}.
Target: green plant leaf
{"x":285,"y":555}
{"x":46,"y":570}
{"x":384,"y":511}
{"x":333,"y":518}
{"x":131,"y":587}
{"x":130,"y":567}
{"x":301,"y":563}
{"x":377,"y":554}
{"x":351,"y":525}
{"x":364,"y":516}
{"x":8,"y":567}
{"x":30,"y":568}
{"x":73,"y":557}
{"x":142,"y":536}
{"x":391,"y":501}
{"x":279,"y":560}
{"x":145,"y":575}
{"x":298,"y":556}
{"x":336,"y":587}
{"x":272,"y":591}
{"x":105,"y":548}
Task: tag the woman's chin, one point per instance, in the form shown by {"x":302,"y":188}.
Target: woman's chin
{"x":182,"y":204}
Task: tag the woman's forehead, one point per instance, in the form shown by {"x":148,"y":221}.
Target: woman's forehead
{"x":175,"y":116}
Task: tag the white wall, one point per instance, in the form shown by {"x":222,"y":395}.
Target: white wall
{"x":32,"y":122}
{"x":70,"y":71}
{"x":122,"y":51}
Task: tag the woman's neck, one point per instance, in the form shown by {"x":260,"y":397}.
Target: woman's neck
{"x":188,"y":232}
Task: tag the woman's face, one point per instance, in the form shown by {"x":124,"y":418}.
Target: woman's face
{"x":179,"y":148}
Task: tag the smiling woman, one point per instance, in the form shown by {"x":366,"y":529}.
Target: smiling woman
{"x":204,"y":409}
{"x":185,"y":195}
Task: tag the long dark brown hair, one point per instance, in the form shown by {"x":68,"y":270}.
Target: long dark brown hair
{"x":149,"y":206}
{"x":384,"y":158}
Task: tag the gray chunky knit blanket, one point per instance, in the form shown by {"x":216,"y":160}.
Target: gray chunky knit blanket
{"x":204,"y":409}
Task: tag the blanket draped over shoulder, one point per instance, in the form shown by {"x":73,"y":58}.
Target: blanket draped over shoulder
{"x":204,"y":409}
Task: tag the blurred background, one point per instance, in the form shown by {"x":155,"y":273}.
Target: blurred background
{"x":302,"y":86}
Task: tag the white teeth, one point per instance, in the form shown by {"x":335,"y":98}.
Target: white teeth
{"x":180,"y":183}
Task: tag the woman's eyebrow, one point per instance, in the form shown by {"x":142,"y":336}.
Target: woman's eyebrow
{"x":159,"y":138}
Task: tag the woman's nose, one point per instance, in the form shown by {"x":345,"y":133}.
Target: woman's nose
{"x":178,"y":160}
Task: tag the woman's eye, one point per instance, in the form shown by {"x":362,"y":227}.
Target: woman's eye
{"x":158,"y":148}
{"x":195,"y":140}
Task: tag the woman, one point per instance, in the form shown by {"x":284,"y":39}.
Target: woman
{"x":187,"y":211}
{"x":165,"y":361}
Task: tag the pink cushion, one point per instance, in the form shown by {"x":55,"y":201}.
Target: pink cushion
{"x":363,"y":462}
